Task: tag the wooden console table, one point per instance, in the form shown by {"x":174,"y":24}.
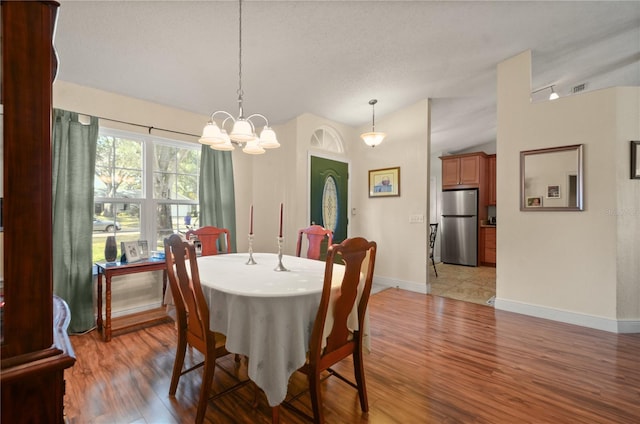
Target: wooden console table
{"x":114,"y":269}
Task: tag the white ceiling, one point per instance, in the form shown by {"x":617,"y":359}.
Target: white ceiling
{"x":330,"y":58}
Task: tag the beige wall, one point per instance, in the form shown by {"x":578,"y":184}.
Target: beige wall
{"x":281,"y":175}
{"x":569,"y":266}
{"x":402,"y":259}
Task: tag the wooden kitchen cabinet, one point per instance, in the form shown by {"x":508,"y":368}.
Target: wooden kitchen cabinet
{"x":489,"y":245}
{"x":463,"y":171}
{"x":491,"y":179}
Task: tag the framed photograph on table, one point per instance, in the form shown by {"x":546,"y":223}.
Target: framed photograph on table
{"x":384,"y":182}
{"x":132,"y":251}
{"x":143,"y":249}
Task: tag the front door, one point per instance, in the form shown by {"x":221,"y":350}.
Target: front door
{"x":329,"y":185}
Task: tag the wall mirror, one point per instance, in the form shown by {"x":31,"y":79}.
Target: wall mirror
{"x":552,"y":179}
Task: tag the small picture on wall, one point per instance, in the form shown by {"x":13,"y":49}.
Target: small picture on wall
{"x":553,"y":192}
{"x":534,"y":202}
{"x":384,"y":182}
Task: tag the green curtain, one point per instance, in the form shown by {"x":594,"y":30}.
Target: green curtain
{"x":217,"y":193}
{"x":74,"y":159}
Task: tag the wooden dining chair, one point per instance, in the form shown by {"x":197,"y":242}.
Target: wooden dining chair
{"x":211,"y":241}
{"x":432,"y":244}
{"x":316,"y":234}
{"x":358,"y":256}
{"x":192,"y":318}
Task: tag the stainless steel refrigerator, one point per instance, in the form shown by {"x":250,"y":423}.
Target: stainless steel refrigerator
{"x":460,"y":227}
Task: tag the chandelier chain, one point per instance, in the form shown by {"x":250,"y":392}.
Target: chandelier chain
{"x":240,"y":92}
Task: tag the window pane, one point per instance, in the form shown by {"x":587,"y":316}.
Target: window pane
{"x":164,"y":185}
{"x":176,"y":171}
{"x":119,"y":219}
{"x":118,"y":167}
{"x":174,"y":218}
{"x":190,"y":162}
{"x":188,"y":187}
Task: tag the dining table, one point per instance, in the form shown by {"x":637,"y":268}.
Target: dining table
{"x":266,"y":314}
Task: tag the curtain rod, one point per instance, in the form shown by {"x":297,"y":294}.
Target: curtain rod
{"x":144,"y":126}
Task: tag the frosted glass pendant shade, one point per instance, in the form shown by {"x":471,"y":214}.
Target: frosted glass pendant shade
{"x":372,"y":139}
{"x":268,"y":139}
{"x":242,"y":131}
{"x":253,"y":148}
{"x":211,"y":134}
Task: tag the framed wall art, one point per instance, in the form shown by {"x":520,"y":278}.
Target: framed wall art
{"x":635,"y":160}
{"x":384,"y":182}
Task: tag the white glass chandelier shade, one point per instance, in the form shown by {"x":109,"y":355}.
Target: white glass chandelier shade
{"x":373,"y":138}
{"x":268,"y":139}
{"x":243,"y":131}
{"x":253,"y":147}
{"x":211,"y":134}
{"x":225,"y":145}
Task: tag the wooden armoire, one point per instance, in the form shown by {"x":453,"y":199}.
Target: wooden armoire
{"x":35,"y":348}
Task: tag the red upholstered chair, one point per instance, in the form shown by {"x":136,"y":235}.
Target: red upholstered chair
{"x":211,"y":240}
{"x":315,"y":236}
{"x":192,"y":319}
{"x":358,"y":255}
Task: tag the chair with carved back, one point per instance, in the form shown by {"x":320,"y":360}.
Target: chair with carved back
{"x":212,"y":242}
{"x":316,"y":234}
{"x":341,"y":338}
{"x":192,"y":319}
{"x":432,"y":243}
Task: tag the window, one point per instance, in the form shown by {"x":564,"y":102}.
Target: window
{"x":145,"y":189}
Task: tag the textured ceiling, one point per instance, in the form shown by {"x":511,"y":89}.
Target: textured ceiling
{"x":330,"y":58}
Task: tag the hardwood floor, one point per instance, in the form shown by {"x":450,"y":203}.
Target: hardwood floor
{"x":432,"y":360}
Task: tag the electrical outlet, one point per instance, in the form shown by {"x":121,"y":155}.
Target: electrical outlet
{"x":416,"y":219}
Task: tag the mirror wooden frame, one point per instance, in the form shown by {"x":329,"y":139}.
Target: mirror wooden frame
{"x":635,"y":160}
{"x":552,"y":193}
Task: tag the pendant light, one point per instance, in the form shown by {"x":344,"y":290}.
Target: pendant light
{"x":373,"y":138}
{"x":243,"y":131}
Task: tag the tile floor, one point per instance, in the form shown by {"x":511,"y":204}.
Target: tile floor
{"x":471,"y":284}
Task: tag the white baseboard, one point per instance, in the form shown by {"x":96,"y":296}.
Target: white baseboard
{"x":590,"y":321}
{"x":405,"y":285}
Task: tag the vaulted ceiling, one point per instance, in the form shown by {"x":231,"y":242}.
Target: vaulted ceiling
{"x":330,"y":58}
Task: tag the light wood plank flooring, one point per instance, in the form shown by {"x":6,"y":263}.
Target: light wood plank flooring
{"x":433,"y":360}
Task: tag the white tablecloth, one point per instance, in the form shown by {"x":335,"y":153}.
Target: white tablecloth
{"x":266,"y":315}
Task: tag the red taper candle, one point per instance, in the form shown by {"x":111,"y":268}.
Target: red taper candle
{"x":251,"y":221}
{"x":280,"y":235}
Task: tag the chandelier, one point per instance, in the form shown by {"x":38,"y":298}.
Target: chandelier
{"x":373,"y":138}
{"x":243,"y":130}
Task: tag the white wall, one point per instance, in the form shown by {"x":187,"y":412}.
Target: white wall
{"x":569,"y":266}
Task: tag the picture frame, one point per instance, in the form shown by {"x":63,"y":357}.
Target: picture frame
{"x":553,"y":192}
{"x":384,"y":182}
{"x":132,"y":251}
{"x":143,"y":249}
{"x":635,"y":160}
{"x":534,"y":202}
